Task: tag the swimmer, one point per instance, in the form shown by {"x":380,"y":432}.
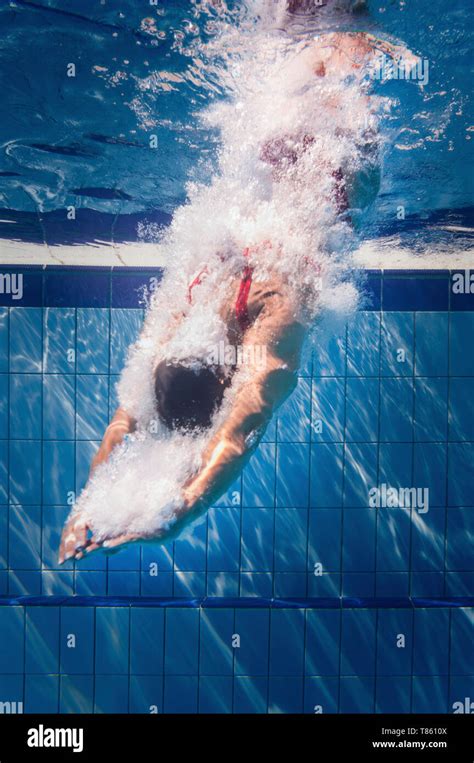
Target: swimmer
{"x":261,"y":313}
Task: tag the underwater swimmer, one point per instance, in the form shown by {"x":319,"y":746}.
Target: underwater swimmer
{"x":257,"y":313}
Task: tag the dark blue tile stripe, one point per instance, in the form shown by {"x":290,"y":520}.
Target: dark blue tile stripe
{"x":251,"y":602}
{"x":99,"y":286}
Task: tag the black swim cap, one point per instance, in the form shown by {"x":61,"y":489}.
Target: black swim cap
{"x":187,"y":398}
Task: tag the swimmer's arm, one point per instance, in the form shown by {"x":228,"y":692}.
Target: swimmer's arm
{"x":121,"y":425}
{"x":74,"y":537}
{"x":279,"y":337}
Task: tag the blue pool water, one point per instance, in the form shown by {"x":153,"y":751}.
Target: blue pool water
{"x":308,"y":642}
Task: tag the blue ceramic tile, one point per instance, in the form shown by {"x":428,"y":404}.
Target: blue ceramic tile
{"x":393,"y":694}
{"x":223,"y":540}
{"x":76,"y":288}
{"x":12,"y":690}
{"x":12,"y":640}
{"x":58,"y":472}
{"x":25,"y":472}
{"x":125,"y":327}
{"x":146,"y":694}
{"x":461,"y":694}
{"x":395,"y":464}
{"x":431,"y":409}
{"x":146,"y":640}
{"x":216,"y":642}
{"x":431,"y":346}
{"x":462,"y":290}
{"x":396,"y":410}
{"x":431,"y":656}
{"x":58,"y":407}
{"x":358,"y":643}
{"x":111,"y":640}
{"x":428,"y":541}
{"x":430,"y":694}
{"x":326,"y":475}
{"x":461,"y":329}
{"x":360,"y":473}
{"x":76,"y":694}
{"x":322,"y":645}
{"x":324,"y":540}
{"x":460,"y":474}
{"x":223,"y":584}
{"x":357,"y":694}
{"x":285,"y":695}
{"x":258,"y":481}
{"x":4,"y":330}
{"x":286,"y":642}
{"x":129,"y":289}
{"x":4,"y":412}
{"x":24,"y":538}
{"x":250,"y":694}
{"x":41,"y":694}
{"x":123,"y":584}
{"x":290,"y":585}
{"x":393,"y":539}
{"x":291,"y":533}
{"x":91,"y":406}
{"x":90,"y":583}
{"x":215,"y":694}
{"x":26,"y":340}
{"x":92,"y":341}
{"x":429,"y":470}
{"x":21,"y":583}
{"x":252,"y":627}
{"x":111,"y":694}
{"x":397,"y":344}
{"x":363,"y":344}
{"x":394,"y":642}
{"x":257,"y":539}
{"x":259,"y":584}
{"x":190,"y":551}
{"x":181,"y":694}
{"x":25,"y":406}
{"x":372,"y":291}
{"x":461,"y":409}
{"x":59,"y":350}
{"x":77,"y":640}
{"x":358,"y":584}
{"x":294,"y":415}
{"x":321,"y":694}
{"x":3,"y":471}
{"x":57,"y":582}
{"x":462,"y":653}
{"x":85,"y":452}
{"x":329,"y":354}
{"x":415,"y":293}
{"x":22,"y":287}
{"x":161,"y":585}
{"x":358,"y":538}
{"x":4,"y":542}
{"x":292,"y":480}
{"x":460,"y":528}
{"x":126,"y":559}
{"x":362,"y":410}
{"x":390,"y":584}
{"x":181,"y":642}
{"x":42,"y":640}
{"x":328,"y":410}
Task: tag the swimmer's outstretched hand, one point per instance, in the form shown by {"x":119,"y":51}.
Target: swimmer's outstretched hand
{"x":74,"y":539}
